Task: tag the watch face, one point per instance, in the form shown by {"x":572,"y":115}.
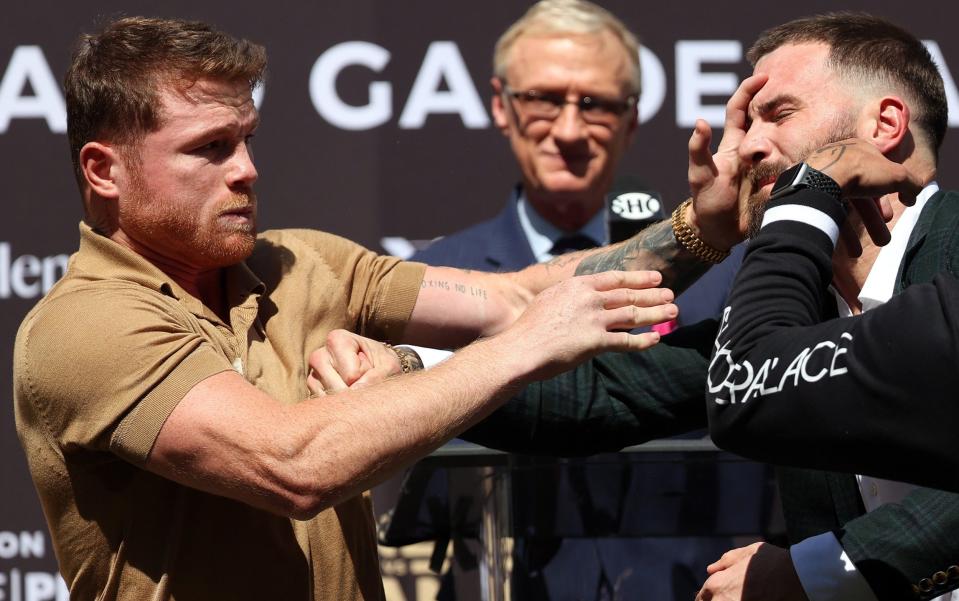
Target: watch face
{"x":787,"y":181}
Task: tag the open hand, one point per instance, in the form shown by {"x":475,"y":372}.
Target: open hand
{"x":585,"y":315}
{"x":866,"y":177}
{"x":714,"y":179}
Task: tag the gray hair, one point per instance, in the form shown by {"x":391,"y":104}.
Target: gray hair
{"x":568,"y":17}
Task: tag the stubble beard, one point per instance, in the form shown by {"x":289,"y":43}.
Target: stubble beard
{"x":203,"y":240}
{"x":757,"y":198}
{"x":237,"y":244}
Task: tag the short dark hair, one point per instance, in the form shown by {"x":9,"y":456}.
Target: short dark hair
{"x":868,"y":46}
{"x":112,"y":85}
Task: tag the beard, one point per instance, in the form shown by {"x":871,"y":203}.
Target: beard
{"x":205,"y":237}
{"x":757,"y":198}
{"x":753,"y":177}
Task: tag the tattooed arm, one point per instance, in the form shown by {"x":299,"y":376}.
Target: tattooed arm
{"x":654,"y":248}
{"x":455,"y":306}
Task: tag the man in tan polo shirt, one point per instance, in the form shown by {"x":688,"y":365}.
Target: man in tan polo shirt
{"x":161,"y":388}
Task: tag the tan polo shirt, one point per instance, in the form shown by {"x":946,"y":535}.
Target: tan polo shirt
{"x":103,"y":359}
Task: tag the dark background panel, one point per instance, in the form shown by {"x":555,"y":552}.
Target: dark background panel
{"x":364,"y":184}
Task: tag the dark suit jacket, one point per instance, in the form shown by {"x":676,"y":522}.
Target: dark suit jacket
{"x":498,"y":244}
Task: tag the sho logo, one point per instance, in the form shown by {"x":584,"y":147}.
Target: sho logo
{"x":28,"y":276}
{"x":635,"y":205}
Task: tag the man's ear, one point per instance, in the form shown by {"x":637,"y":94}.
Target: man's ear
{"x":498,"y":107}
{"x":100,"y":164}
{"x":890,"y":124}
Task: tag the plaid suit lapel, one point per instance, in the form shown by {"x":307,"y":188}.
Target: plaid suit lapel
{"x":923,"y":257}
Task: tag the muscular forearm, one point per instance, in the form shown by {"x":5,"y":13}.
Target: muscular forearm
{"x":378,"y":431}
{"x":228,"y":438}
{"x":456,"y":306}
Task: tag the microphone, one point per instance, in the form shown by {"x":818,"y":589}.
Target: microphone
{"x":631,"y":206}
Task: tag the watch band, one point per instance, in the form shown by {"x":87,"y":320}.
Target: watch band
{"x":409,"y":359}
{"x":689,"y":240}
{"x":801,"y":176}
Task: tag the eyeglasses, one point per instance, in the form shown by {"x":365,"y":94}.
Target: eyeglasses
{"x":548,"y":105}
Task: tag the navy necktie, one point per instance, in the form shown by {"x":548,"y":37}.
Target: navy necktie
{"x":572,"y":243}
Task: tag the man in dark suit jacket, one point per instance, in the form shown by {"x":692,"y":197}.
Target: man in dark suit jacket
{"x":816,"y":81}
{"x":861,"y":385}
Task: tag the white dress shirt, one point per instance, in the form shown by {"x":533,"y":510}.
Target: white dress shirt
{"x":824,"y":569}
{"x":542,"y":234}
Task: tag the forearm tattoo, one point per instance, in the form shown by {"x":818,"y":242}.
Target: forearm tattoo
{"x":464,"y":289}
{"x":653,"y":248}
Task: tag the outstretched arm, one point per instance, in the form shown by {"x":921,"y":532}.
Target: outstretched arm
{"x":229,"y":438}
{"x":612,"y":401}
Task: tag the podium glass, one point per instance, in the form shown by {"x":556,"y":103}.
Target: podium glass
{"x":669,"y":488}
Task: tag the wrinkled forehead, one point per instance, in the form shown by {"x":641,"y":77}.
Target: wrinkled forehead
{"x":185,"y":97}
{"x":555,"y":59}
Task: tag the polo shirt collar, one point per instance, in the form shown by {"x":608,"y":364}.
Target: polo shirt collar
{"x":102,"y":257}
